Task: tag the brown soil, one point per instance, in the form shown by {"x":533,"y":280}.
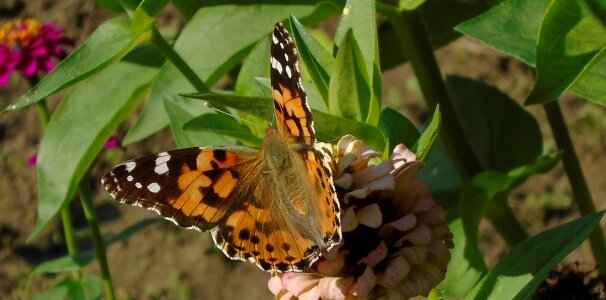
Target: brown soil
{"x":166,"y":262}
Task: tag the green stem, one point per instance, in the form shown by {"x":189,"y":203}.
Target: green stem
{"x":417,"y":49}
{"x":66,"y":216}
{"x":581,"y":192}
{"x":99,"y":244}
{"x":176,"y":60}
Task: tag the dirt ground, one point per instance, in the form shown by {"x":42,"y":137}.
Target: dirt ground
{"x":166,"y":262}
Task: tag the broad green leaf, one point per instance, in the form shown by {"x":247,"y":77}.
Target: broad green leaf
{"x":187,"y":8}
{"x":130,"y":230}
{"x":410,"y":4}
{"x":466,"y":265}
{"x":179,"y":116}
{"x":88,"y":288}
{"x":110,"y":42}
{"x":328,"y":127}
{"x":349,"y":88}
{"x":423,"y":146}
{"x":145,"y":54}
{"x":255,"y":65}
{"x":495,"y":125}
{"x":511,"y":27}
{"x":315,"y":57}
{"x":522,"y":270}
{"x":111,"y":5}
{"x":571,"y":42}
{"x":212,"y":43}
{"x":78,"y":129}
{"x":397,"y":129}
{"x":441,"y":175}
{"x":592,"y":84}
{"x":448,"y":12}
{"x":359,"y":17}
{"x":219,"y":124}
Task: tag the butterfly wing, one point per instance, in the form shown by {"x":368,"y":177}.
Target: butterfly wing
{"x":195,"y":187}
{"x":294,"y":118}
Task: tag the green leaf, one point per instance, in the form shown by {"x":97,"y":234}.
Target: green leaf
{"x":328,"y":127}
{"x":349,"y":88}
{"x":110,"y":42}
{"x":256,"y":65}
{"x":410,"y":4}
{"x":592,"y":84}
{"x":496,"y":126}
{"x":65,"y":263}
{"x":439,"y":33}
{"x":130,"y":230}
{"x":179,"y":116}
{"x":511,"y":27}
{"x":466,"y":265}
{"x":490,"y":186}
{"x":212,"y":43}
{"x":423,"y":146}
{"x":111,"y":5}
{"x":522,"y":270}
{"x":598,"y":8}
{"x":219,"y":124}
{"x":571,"y":42}
{"x":441,"y":175}
{"x":143,"y":18}
{"x":315,"y":57}
{"x":360,"y":18}
{"x":397,"y":129}
{"x":88,"y":288}
{"x":78,"y":129}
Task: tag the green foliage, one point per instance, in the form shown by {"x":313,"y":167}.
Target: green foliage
{"x":123,"y":63}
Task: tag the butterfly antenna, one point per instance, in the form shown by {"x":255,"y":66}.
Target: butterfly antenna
{"x":231,"y":115}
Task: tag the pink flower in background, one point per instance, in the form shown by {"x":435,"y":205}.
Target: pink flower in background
{"x":29,"y":46}
{"x":31,"y":161}
{"x":113,"y":142}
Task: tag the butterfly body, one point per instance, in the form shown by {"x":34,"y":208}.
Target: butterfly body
{"x":275,"y":206}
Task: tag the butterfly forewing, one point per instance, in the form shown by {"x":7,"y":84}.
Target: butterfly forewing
{"x":194,"y":187}
{"x":290,"y":101}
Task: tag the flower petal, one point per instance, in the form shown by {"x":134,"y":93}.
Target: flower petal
{"x":375,"y":256}
{"x":397,"y":269}
{"x":335,"y":287}
{"x":370,"y":216}
{"x":365,"y":283}
{"x":297,"y":283}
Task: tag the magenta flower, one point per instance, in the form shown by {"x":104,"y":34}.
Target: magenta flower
{"x":29,"y":46}
{"x":31,"y":161}
{"x":112,"y":142}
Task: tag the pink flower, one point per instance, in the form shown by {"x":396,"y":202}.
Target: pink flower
{"x":31,"y":161}
{"x":112,"y":142}
{"x":395,"y":238}
{"x":29,"y":46}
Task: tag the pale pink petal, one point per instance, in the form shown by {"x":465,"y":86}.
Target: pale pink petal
{"x":372,"y":173}
{"x":397,"y":268}
{"x":421,"y":235}
{"x":312,"y":294}
{"x":344,"y":181}
{"x":297,"y":283}
{"x":335,"y":288}
{"x":375,"y":256}
{"x":349,"y":222}
{"x":439,"y":252}
{"x":414,"y":255}
{"x":275,"y":284}
{"x":370,"y":216}
{"x":364,"y":284}
{"x":331,"y":267}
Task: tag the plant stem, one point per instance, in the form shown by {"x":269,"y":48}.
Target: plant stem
{"x":176,"y":60}
{"x":416,"y":47}
{"x":581,"y":192}
{"x":99,"y":244}
{"x":499,"y":213}
{"x":66,"y":216}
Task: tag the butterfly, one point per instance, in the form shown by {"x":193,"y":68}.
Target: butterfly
{"x":275,"y":206}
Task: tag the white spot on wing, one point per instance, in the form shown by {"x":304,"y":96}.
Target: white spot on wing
{"x":138,"y":185}
{"x":161,"y":166}
{"x":275,"y":64}
{"x":288,"y":71}
{"x":286,"y":56}
{"x":129,"y":178}
{"x":153,"y":187}
{"x":130,"y":166}
{"x":273,"y":37}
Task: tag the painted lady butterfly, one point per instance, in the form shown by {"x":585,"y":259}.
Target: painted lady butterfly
{"x":275,"y":206}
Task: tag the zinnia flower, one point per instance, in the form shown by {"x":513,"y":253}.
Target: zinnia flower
{"x":112,"y":142}
{"x":31,"y":161}
{"x":28,"y":46}
{"x":395,"y":238}
{"x":572,"y":281}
